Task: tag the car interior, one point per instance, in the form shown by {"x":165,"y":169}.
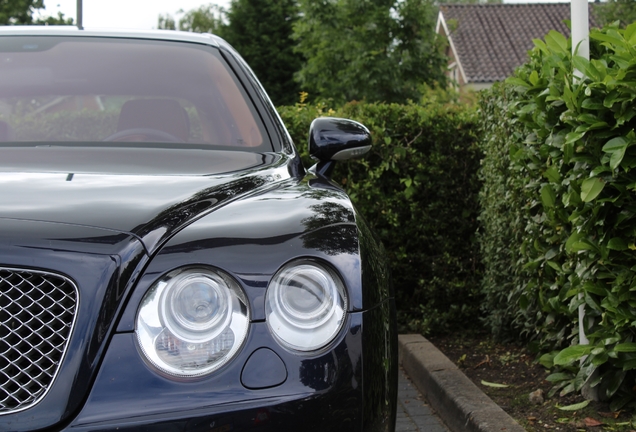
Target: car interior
{"x":70,"y":89}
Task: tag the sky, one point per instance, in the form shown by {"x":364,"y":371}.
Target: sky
{"x":139,"y":14}
{"x":132,"y":14}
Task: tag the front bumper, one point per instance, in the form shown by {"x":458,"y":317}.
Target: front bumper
{"x":323,"y":391}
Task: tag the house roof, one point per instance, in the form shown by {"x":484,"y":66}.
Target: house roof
{"x":491,"y":40}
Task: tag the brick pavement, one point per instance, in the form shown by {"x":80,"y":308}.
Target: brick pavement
{"x":413,"y":413}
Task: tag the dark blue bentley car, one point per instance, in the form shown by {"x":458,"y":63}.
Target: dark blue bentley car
{"x":166,"y":262}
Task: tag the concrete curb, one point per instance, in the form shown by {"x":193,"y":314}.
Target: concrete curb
{"x":458,"y":402}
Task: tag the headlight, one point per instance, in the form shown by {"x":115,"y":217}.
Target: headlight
{"x":192,"y":321}
{"x":305,"y":305}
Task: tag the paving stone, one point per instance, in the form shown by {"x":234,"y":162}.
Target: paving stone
{"x":406,"y":426}
{"x":417,"y":408}
{"x":413,"y":413}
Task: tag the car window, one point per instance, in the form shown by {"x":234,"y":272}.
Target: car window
{"x":72,"y":89}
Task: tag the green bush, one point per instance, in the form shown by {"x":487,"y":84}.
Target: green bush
{"x":567,"y":174}
{"x":503,"y":219}
{"x":418,"y":190}
{"x":82,"y":125}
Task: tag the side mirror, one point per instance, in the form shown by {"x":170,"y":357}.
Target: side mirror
{"x":335,"y":139}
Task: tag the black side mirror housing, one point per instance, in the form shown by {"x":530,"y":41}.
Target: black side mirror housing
{"x":334,"y":139}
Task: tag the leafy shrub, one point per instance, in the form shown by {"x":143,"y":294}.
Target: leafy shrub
{"x":418,"y":189}
{"x":65,"y":126}
{"x":72,"y":124}
{"x":503,"y":219}
{"x":569,"y":179}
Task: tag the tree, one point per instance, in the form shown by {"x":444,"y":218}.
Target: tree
{"x":623,"y":11}
{"x":19,"y":12}
{"x":205,"y":19}
{"x":261,"y":31}
{"x":54,"y":20}
{"x":378,"y":50}
{"x":472,"y":2}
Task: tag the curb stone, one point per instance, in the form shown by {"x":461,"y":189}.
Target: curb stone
{"x":457,"y":400}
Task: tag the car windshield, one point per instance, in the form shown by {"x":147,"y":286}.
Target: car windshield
{"x":91,"y":89}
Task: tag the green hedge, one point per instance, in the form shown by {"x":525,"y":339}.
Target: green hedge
{"x":505,"y":213}
{"x":418,"y":189}
{"x":561,"y":157}
{"x":82,"y":125}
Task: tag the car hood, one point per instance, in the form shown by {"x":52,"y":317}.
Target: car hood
{"x":148,"y":193}
{"x":97,"y":215}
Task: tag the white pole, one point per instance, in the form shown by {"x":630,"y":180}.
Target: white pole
{"x":80,"y":24}
{"x":580,"y":30}
{"x":580,"y":46}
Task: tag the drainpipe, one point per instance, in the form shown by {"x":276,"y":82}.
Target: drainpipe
{"x":580,"y":46}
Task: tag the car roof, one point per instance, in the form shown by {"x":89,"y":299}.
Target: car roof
{"x":166,"y":35}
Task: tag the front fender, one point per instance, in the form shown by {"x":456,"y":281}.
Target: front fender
{"x":253,"y":237}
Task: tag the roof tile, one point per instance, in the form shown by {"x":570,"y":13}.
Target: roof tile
{"x":491,"y":40}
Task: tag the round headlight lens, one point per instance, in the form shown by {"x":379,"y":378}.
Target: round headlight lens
{"x":305,"y":305}
{"x":197,"y":307}
{"x":192,"y":321}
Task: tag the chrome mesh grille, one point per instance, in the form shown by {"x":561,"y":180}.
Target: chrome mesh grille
{"x":37,"y":312}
